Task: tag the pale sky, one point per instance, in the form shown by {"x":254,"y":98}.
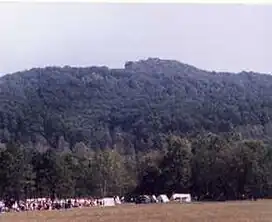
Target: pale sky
{"x":212,"y":37}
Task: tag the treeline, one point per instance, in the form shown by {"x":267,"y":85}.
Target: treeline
{"x":207,"y":166}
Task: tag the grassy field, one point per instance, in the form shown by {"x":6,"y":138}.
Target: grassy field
{"x":247,"y":211}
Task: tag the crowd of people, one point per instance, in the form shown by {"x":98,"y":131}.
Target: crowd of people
{"x":37,"y":204}
{"x":57,"y":204}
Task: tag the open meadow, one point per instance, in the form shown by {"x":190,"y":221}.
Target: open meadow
{"x":246,"y":211}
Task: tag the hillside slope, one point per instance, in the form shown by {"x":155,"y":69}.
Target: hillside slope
{"x":130,"y":108}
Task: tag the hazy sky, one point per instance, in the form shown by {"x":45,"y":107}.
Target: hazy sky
{"x":212,"y":37}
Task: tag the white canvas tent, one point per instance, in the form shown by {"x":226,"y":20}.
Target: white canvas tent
{"x":2,"y":205}
{"x":154,"y":199}
{"x":163,"y":198}
{"x":117,"y":200}
{"x":108,"y":201}
{"x":182,"y":197}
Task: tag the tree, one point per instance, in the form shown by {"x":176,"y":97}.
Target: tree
{"x":250,"y":160}
{"x":54,"y":178}
{"x":109,"y":173}
{"x":16,"y":174}
{"x":210,"y":167}
{"x":149,"y":173}
{"x":176,"y":166}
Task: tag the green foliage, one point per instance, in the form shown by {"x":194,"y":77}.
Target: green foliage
{"x":16,"y":174}
{"x":211,"y":167}
{"x":131,"y":109}
{"x":176,"y":166}
{"x":208,"y":166}
{"x":53,"y":176}
{"x":142,"y":129}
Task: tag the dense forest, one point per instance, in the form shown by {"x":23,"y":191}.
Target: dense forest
{"x":153,"y":126}
{"x":210,"y":167}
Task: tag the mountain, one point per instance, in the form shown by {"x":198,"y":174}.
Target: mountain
{"x":133,"y":108}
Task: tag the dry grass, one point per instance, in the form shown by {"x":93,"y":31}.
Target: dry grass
{"x":260,"y":211}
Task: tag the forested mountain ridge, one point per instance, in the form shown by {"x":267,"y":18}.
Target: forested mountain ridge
{"x":156,"y":126}
{"x":130,"y":109}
